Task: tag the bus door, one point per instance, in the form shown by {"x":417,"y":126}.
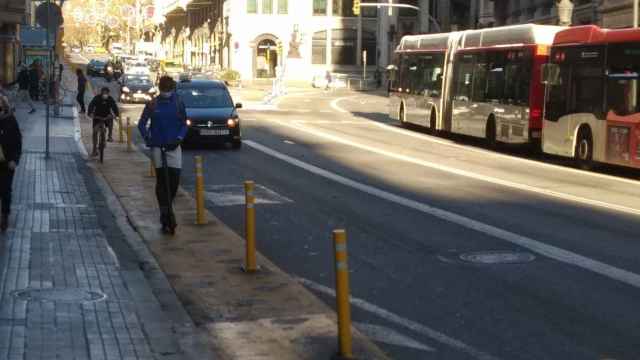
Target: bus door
{"x":461,"y":94}
{"x":431,"y":71}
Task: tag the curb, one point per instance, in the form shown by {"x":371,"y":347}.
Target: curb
{"x":268,"y":315}
{"x":193,"y":346}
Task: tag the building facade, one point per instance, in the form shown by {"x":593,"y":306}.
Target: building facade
{"x":304,"y":37}
{"x":12,"y":14}
{"x":509,"y":12}
{"x":616,"y":13}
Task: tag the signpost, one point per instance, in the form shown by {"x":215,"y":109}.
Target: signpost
{"x":49,"y":16}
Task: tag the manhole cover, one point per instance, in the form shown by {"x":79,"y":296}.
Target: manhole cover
{"x":67,"y":295}
{"x":497,"y":257}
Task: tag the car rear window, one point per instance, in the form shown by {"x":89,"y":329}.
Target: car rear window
{"x":205,"y":97}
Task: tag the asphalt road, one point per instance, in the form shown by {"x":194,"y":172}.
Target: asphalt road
{"x":456,"y":252}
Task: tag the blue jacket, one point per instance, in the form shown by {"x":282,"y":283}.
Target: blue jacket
{"x":163,"y":121}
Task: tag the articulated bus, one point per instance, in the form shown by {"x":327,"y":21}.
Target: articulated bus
{"x":482,"y":83}
{"x":592,"y":111}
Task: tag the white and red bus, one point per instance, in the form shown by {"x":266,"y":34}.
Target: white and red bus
{"x":482,"y":83}
{"x":592,"y":111}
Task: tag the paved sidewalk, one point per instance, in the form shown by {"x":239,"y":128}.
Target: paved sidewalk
{"x":71,"y":287}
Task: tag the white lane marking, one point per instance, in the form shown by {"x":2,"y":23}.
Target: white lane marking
{"x":541,"y":248}
{"x":334,"y":105}
{"x":233,"y":195}
{"x":441,"y":141}
{"x":289,"y":142}
{"x":468,"y":174}
{"x":389,"y":336}
{"x":406,"y":323}
{"x":360,"y":122}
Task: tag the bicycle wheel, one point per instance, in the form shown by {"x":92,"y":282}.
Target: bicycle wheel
{"x":102,"y":142}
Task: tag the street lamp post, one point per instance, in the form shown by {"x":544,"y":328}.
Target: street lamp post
{"x":565,"y":12}
{"x":635,"y":13}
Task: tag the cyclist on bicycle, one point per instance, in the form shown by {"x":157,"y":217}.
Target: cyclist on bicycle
{"x":103,"y":110}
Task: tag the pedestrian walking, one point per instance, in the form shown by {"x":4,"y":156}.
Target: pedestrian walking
{"x":102,"y":108}
{"x":163,"y":125}
{"x":329,"y":79}
{"x":34,"y":80}
{"x":23,"y":88}
{"x":10,"y":151}
{"x":82,"y":87}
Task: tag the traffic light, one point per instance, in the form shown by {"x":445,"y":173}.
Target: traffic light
{"x":356,"y":7}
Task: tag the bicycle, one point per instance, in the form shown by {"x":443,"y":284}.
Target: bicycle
{"x":101,"y":128}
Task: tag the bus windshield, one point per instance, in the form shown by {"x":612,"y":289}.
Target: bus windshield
{"x":623,"y":87}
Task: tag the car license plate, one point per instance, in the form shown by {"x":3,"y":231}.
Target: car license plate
{"x":215,"y":132}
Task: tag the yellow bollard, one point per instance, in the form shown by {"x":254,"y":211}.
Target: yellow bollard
{"x":120,"y":131}
{"x":152,"y":168}
{"x":200,"y":214}
{"x":250,"y":228}
{"x":342,"y":294}
{"x":129,"y":135}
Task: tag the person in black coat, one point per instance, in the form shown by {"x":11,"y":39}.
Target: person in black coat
{"x":23,"y":88}
{"x":11,"y":144}
{"x":82,"y":87}
{"x":34,"y":80}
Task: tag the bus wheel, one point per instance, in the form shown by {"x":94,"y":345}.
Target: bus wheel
{"x":403,"y":120}
{"x":432,"y":124}
{"x":584,"y":149}
{"x":490,"y":133}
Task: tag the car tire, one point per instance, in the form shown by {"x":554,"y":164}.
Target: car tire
{"x":236,"y":144}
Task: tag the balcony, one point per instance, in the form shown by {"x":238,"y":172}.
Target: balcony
{"x":11,"y":11}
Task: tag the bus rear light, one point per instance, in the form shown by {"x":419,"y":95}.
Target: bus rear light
{"x":542,"y":50}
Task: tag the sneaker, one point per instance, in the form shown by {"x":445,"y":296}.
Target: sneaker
{"x":32,"y":111}
{"x":110,"y":139}
{"x":94,"y":153}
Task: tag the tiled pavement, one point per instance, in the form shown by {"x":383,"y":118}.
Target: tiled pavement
{"x":70,"y":287}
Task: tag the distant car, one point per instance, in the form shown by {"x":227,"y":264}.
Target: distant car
{"x":212,"y":115}
{"x":135,"y":89}
{"x":96,"y":67}
{"x":170,"y":68}
{"x":138,"y":68}
{"x":320,"y":81}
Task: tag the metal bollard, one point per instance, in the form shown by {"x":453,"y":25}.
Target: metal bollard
{"x":129,"y":135}
{"x":120,"y":131}
{"x":250,"y":228}
{"x":200,"y":214}
{"x":342,"y":295}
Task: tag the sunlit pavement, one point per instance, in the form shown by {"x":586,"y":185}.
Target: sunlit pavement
{"x":456,"y":252}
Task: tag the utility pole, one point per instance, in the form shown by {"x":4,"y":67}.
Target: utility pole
{"x":635,"y":13}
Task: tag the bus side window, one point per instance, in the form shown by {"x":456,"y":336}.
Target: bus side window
{"x":480,"y":81}
{"x":587,"y":90}
{"x":464,"y":78}
{"x":495,"y":77}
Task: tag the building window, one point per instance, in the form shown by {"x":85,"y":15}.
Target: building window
{"x":343,"y":8}
{"x":319,"y":48}
{"x":252,"y":6}
{"x":267,"y":7}
{"x":283,"y":7}
{"x":320,"y":7}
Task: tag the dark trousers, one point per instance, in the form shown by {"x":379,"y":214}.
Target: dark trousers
{"x":110,"y":128}
{"x":6,"y":188}
{"x":162,"y":186}
{"x":80,"y":99}
{"x":34,"y":92}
